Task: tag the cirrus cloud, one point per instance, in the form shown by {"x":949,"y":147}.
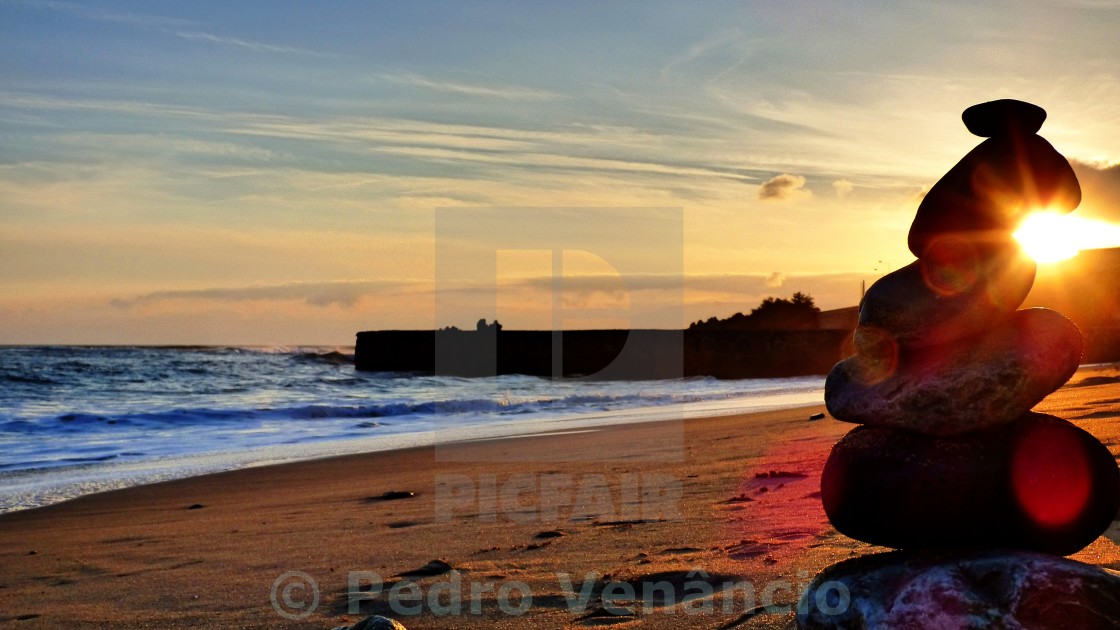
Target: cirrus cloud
{"x":342,"y":293}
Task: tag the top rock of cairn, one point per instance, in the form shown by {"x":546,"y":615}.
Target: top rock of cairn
{"x":1003,"y":117}
{"x":982,"y":199}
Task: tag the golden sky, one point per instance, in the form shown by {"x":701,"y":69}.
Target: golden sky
{"x":275,"y":172}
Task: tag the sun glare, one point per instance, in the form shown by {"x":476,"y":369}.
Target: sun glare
{"x":1051,"y":236}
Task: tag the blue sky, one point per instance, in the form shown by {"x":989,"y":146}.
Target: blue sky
{"x":270,"y":172}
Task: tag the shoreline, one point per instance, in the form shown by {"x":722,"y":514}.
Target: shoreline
{"x":723,"y":499}
{"x":50,"y":485}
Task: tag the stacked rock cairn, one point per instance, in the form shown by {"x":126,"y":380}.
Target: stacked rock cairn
{"x":950,"y":464}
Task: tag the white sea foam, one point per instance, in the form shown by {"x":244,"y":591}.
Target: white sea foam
{"x":80,"y":420}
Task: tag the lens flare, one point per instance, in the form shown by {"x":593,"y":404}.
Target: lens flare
{"x":1048,"y":236}
{"x":1051,"y":477}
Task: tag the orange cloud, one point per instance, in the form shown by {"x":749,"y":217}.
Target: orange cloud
{"x":782,"y":187}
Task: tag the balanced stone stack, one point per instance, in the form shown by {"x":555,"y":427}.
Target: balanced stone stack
{"x":949,"y":455}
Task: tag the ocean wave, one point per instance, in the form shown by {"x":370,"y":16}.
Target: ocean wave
{"x":498,"y":406}
{"x":282,"y":350}
{"x":77,"y":461}
{"x":28,"y":379}
{"x":74,"y":407}
{"x":333,"y":357}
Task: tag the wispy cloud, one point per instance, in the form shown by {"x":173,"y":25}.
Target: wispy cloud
{"x":163,"y":144}
{"x":341,"y":293}
{"x":734,"y":290}
{"x":670,"y":165}
{"x":710,"y":60}
{"x":568,"y":162}
{"x":259,"y":47}
{"x":510,"y":92}
{"x":22,"y":100}
{"x":91,"y":13}
{"x":170,"y":25}
{"x":747,"y":285}
{"x":583,"y":148}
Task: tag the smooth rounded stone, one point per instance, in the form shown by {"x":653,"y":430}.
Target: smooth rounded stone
{"x":934,"y":301}
{"x":1038,"y":483}
{"x":988,"y":193}
{"x":960,"y":386}
{"x":376,"y":622}
{"x":963,"y":590}
{"x":1002,"y":117}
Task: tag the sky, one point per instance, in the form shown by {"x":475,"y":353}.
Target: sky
{"x":293,"y":172}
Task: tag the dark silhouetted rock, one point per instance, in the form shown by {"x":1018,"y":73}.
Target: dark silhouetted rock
{"x":932,"y":302}
{"x":963,"y":591}
{"x":1037,"y":483}
{"x":988,"y":193}
{"x":1004,"y":117}
{"x":604,"y":354}
{"x":961,"y":386}
{"x":392,"y":495}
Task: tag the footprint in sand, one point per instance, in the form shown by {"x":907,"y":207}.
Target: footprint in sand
{"x":770,"y":522}
{"x":745,"y":549}
{"x":676,"y":551}
{"x":433,"y":568}
{"x":737,"y":501}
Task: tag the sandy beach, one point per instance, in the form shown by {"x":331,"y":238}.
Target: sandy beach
{"x":604,"y":527}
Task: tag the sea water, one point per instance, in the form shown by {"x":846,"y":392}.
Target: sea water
{"x":77,"y":420}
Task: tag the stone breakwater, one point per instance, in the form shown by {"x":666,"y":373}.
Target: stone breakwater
{"x":604,"y":354}
{"x":949,"y":459}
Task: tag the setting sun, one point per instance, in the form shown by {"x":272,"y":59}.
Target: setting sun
{"x":1051,"y":236}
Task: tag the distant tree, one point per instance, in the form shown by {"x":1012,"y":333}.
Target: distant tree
{"x":796,"y":313}
{"x":482,"y":326}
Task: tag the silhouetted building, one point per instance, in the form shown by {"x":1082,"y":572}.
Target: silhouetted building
{"x":839,"y":318}
{"x":1085,"y":289}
